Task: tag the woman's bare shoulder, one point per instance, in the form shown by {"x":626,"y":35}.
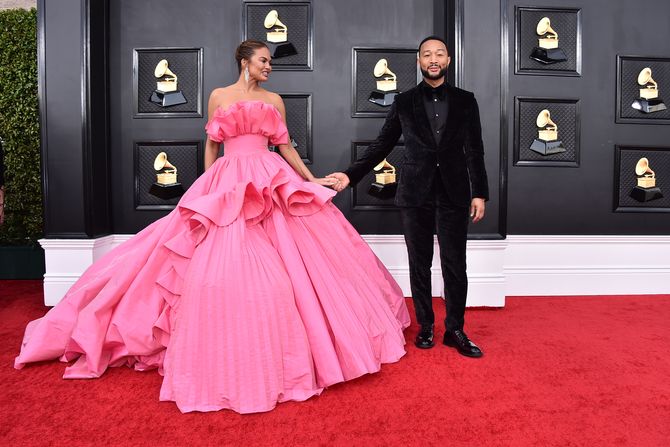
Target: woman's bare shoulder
{"x":274,"y":99}
{"x":221,"y":91}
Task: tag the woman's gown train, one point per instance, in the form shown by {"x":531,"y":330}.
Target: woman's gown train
{"x":254,"y":290}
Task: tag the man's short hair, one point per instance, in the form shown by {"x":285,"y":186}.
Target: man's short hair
{"x":432,"y":38}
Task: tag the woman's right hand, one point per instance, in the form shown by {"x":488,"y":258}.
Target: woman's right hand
{"x":325,"y":181}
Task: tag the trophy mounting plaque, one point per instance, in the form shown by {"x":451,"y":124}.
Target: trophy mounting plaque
{"x":158,"y":184}
{"x":546,"y":131}
{"x":547,"y":41}
{"x":641,"y":84}
{"x":641,"y":178}
{"x":378,"y":76}
{"x":376,"y":191}
{"x":286,"y":27}
{"x":167,"y":82}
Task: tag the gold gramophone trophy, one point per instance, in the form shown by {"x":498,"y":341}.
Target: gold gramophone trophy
{"x":166,"y":93}
{"x":166,"y":186}
{"x":547,"y":142}
{"x":277,"y":38}
{"x":547,"y":52}
{"x":387,"y":85}
{"x":646,"y":188}
{"x":648,"y":102}
{"x":385,"y":184}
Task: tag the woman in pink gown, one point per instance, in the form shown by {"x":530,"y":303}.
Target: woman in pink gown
{"x":254,"y":290}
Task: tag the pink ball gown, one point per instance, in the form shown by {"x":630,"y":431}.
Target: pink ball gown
{"x":254,"y":290}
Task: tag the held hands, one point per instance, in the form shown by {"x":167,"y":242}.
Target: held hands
{"x":341,"y":180}
{"x":325,"y":181}
{"x":477,"y":207}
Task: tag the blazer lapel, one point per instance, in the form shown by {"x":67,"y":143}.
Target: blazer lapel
{"x":421,"y":119}
{"x":453,"y":116}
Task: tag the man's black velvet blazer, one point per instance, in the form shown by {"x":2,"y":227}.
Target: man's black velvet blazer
{"x":458,"y":158}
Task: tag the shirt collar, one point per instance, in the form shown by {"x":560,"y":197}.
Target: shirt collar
{"x":440,"y":91}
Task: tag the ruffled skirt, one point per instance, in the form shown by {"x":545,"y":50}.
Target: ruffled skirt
{"x":254,"y":290}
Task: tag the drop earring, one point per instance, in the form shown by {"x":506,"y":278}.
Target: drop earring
{"x":246,"y":74}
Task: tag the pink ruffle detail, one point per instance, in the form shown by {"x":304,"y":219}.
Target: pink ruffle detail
{"x":249,"y":117}
{"x":253,"y":202}
{"x":247,"y":200}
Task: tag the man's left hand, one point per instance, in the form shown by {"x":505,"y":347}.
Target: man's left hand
{"x":477,"y":207}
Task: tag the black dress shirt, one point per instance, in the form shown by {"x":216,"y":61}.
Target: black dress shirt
{"x":437,"y":108}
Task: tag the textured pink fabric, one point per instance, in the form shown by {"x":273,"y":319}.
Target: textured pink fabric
{"x":254,"y":290}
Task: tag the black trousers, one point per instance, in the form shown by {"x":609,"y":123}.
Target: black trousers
{"x":450,"y":222}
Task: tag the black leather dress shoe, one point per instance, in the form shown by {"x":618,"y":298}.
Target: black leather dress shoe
{"x":424,"y":339}
{"x":462,"y":343}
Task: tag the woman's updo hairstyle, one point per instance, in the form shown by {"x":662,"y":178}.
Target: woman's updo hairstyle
{"x":245,"y":50}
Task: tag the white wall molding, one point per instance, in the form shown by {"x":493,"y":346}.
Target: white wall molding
{"x":485,"y":267}
{"x":587,"y":265}
{"x":518,"y":266}
{"x":66,"y":260}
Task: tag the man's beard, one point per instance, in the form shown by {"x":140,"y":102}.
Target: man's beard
{"x":440,"y":74}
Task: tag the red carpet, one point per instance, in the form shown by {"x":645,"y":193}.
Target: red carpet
{"x":570,"y":371}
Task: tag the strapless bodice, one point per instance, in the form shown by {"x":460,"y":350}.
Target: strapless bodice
{"x":247,"y":127}
{"x":248,"y":144}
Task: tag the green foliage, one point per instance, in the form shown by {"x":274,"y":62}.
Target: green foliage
{"x":19,"y":127}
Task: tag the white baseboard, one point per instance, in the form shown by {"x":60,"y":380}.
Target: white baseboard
{"x":517,"y":266}
{"x":66,"y":260}
{"x":485,"y":268}
{"x":587,"y":265}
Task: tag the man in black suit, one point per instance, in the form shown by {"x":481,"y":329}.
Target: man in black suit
{"x":442,"y":183}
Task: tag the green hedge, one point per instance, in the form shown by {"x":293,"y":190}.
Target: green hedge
{"x":19,"y":127}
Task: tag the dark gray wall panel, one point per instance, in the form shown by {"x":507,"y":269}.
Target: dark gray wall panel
{"x":554,"y":200}
{"x":480,"y":75}
{"x":62,"y":114}
{"x":524,"y":199}
{"x":211,"y":25}
{"x":217,"y":28}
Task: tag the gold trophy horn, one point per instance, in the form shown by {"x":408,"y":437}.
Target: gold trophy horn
{"x":549,"y":37}
{"x":642,"y":168}
{"x":168,"y":176}
{"x":167,"y":79}
{"x":389,"y":83}
{"x":650,"y":90}
{"x":548,"y":129}
{"x":279,"y":34}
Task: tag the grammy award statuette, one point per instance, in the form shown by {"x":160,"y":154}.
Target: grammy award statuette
{"x":277,"y":38}
{"x":166,"y":93}
{"x":387,"y":85}
{"x":547,"y":51}
{"x":166,"y":186}
{"x":648,"y":101}
{"x":385,"y":184}
{"x":547,"y":142}
{"x":646,"y":188}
